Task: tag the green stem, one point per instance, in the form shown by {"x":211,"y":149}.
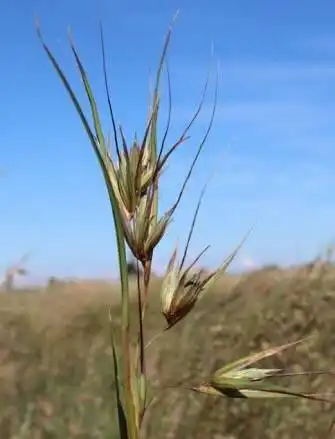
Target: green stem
{"x":142,"y":302}
{"x":141,"y":329}
{"x":125,"y":326}
{"x":140,"y":349}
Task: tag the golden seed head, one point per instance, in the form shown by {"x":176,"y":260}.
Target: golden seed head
{"x":180,"y":291}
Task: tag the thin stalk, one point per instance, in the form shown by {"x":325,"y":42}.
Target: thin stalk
{"x":143,"y":298}
{"x":140,"y":348}
{"x":141,"y":329}
{"x":154,"y":338}
{"x":146,"y":281}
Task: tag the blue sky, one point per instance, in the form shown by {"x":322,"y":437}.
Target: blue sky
{"x":271,"y":147}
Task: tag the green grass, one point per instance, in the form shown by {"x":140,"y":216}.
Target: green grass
{"x":56,"y":368}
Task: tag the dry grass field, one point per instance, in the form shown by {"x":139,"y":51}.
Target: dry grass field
{"x":56,"y":377}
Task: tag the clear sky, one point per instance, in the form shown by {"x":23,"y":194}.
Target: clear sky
{"x":272,"y":144}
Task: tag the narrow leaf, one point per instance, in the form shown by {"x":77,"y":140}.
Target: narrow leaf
{"x":120,"y":411}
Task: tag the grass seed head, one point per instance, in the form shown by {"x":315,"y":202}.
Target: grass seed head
{"x":134,"y":174}
{"x":181,"y":289}
{"x":143,"y":232}
{"x":239,"y":380}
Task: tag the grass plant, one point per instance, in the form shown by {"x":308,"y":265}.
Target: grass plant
{"x":132,"y":174}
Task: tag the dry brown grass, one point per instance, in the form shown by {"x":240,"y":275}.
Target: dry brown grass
{"x":56,"y":367}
